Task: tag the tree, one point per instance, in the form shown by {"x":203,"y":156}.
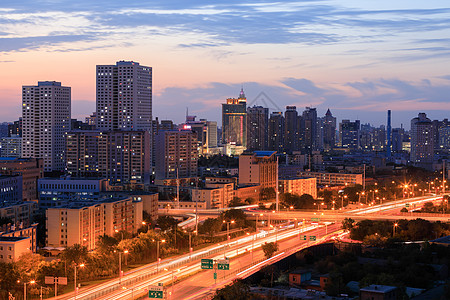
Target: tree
{"x":106,"y":244}
{"x":9,"y":276}
{"x":269,"y":249}
{"x":267,"y":194}
{"x":347,"y":223}
{"x":236,"y":201}
{"x":76,"y":254}
{"x":238,"y":290}
{"x":166,"y":222}
{"x":236,"y":215}
{"x":211,"y":226}
{"x":250,"y":200}
{"x":28,"y":264}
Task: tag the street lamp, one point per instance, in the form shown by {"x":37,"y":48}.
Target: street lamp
{"x":75,"y":279}
{"x":145,"y":223}
{"x":253,"y":239}
{"x":117,"y":231}
{"x":190,"y":247}
{"x":228,"y":230}
{"x":395,"y":226}
{"x":120,"y":263}
{"x":157,"y":254}
{"x":173,"y":282}
{"x":256,"y":225}
{"x":126,"y":257}
{"x":25,"y":288}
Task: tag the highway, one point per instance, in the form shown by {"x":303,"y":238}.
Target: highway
{"x":187,"y":266}
{"x":201,"y":283}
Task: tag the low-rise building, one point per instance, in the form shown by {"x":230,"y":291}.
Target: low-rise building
{"x":11,"y":248}
{"x":214,"y":196}
{"x":378,"y":292}
{"x":31,"y":170}
{"x":249,"y":191}
{"x":19,"y":212}
{"x":56,"y":191}
{"x":324,"y":178}
{"x":10,"y":188}
{"x":21,"y":231}
{"x":298,"y":186}
{"x":83,"y":222}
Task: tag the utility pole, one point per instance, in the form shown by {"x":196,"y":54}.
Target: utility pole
{"x":178,"y":191}
{"x":443,"y":177}
{"x":276,"y":189}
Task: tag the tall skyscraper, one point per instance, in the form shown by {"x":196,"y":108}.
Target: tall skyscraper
{"x":291,"y":129}
{"x":46,"y":110}
{"x":349,"y":134}
{"x":234,"y":120}
{"x":422,"y":141}
{"x":329,"y":131}
{"x":124,"y":96}
{"x":257,"y":128}
{"x":276,"y":132}
{"x":389,"y":135}
{"x":310,"y":133}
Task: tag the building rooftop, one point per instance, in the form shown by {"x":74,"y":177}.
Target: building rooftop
{"x":16,"y":203}
{"x":87,"y":203}
{"x":442,"y":240}
{"x":376,"y":288}
{"x":12,"y":239}
{"x":264,"y":153}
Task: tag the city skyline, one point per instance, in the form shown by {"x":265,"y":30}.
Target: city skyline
{"x":358,"y":59}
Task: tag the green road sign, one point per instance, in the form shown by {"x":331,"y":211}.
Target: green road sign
{"x":315,"y":219}
{"x":156,"y":291}
{"x":215,"y":275}
{"x":303,"y":237}
{"x":155,"y":294}
{"x":312,"y":237}
{"x":207,"y":264}
{"x":407,"y":205}
{"x":223,"y":264}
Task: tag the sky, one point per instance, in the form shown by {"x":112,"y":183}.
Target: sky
{"x":358,"y":58}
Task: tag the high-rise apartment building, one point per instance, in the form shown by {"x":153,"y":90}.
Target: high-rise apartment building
{"x":206,"y":132}
{"x":329,"y":131}
{"x":11,"y":146}
{"x":444,"y":138}
{"x":257,"y":128}
{"x":276,"y":132}
{"x":124,"y":96}
{"x":349,"y":134}
{"x":291,"y":129}
{"x":15,"y":129}
{"x":437,"y":126}
{"x":422,"y":141}
{"x":176,"y":154}
{"x":397,"y":139}
{"x":234,"y":121}
{"x":119,"y":156}
{"x":45,"y":120}
{"x":258,"y":167}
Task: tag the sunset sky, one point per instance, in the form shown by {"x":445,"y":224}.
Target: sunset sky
{"x":358,"y":58}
